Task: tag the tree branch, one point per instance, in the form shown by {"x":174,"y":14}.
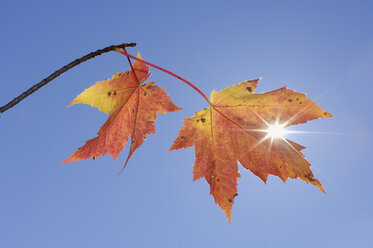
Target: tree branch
{"x":60,"y":71}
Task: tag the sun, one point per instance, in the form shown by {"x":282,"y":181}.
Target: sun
{"x":276,"y":131}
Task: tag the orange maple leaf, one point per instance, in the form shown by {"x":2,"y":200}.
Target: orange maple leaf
{"x":132,"y":108}
{"x":233,"y":129}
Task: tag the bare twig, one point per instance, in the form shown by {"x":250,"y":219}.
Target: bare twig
{"x":60,"y":71}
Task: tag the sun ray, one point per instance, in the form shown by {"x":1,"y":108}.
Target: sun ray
{"x":317,"y":132}
{"x":292,"y":147}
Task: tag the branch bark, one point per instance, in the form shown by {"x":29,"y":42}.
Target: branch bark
{"x":55,"y":74}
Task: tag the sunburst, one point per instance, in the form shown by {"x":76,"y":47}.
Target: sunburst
{"x":276,"y":130}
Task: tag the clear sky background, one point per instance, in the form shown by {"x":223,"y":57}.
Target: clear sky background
{"x":322,"y":48}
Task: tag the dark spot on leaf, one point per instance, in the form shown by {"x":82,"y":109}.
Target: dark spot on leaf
{"x":109,"y":93}
{"x":217,"y":179}
{"x":144,"y":137}
{"x":197,"y":120}
{"x":300,"y":102}
{"x":133,"y":111}
{"x":249,"y":89}
{"x":182,"y":137}
{"x":239,"y":119}
{"x":132,"y":141}
{"x":290,"y":100}
{"x":114,"y":93}
{"x":230,"y":200}
{"x":145,"y":93}
{"x":325,"y":113}
{"x":309,"y":177}
{"x":93,"y":157}
{"x":203,"y":119}
{"x":297,"y":99}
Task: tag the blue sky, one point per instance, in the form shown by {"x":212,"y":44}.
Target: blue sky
{"x":322,"y":48}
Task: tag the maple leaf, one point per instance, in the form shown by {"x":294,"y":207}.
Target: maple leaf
{"x":233,"y":129}
{"x":132,"y":108}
